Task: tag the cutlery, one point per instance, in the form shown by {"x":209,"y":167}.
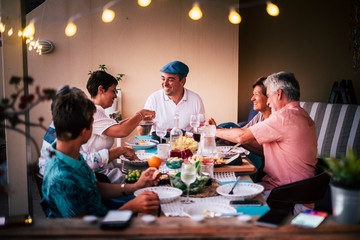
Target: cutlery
{"x":237,"y":180}
{"x":233,"y":147}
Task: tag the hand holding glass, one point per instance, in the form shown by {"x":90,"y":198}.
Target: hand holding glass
{"x":188,"y":176}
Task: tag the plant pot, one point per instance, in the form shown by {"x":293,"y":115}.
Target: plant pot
{"x":345,"y":205}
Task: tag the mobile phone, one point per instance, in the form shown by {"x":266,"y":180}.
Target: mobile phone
{"x":116,"y":219}
{"x":239,"y":203}
{"x":273,"y":218}
{"x":309,"y":219}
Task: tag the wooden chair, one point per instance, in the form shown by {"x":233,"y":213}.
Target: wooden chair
{"x":306,"y":191}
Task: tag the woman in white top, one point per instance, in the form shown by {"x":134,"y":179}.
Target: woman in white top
{"x":102,"y":89}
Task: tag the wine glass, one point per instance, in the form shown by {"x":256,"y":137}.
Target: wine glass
{"x":160,"y":131}
{"x":188,"y":176}
{"x":201,"y":118}
{"x":194,"y":122}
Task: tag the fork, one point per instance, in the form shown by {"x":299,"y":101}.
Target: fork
{"x":233,"y":147}
{"x":232,"y":189}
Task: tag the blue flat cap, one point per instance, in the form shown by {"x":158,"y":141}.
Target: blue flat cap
{"x":176,"y":67}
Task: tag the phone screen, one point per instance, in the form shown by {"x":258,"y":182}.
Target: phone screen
{"x":116,"y":219}
{"x":310,"y":219}
{"x":273,"y":218}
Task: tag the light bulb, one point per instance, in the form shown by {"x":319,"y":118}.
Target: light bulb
{"x":195,"y":13}
{"x":144,"y":3}
{"x":234,"y":17}
{"x":272,"y":9}
{"x":108,"y":15}
{"x":2,"y":27}
{"x":70,"y":29}
{"x":10,"y":32}
{"x":19,"y":33}
{"x":29,"y":30}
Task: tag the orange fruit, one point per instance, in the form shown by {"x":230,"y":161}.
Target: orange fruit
{"x":154,"y":161}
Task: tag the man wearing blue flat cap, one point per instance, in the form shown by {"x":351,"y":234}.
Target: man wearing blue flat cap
{"x":173,"y":98}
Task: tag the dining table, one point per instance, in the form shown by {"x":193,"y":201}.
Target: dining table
{"x":173,"y":222}
{"x":178,"y":226}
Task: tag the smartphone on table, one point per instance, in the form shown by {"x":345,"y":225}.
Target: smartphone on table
{"x":309,"y":219}
{"x":116,"y":219}
{"x":273,"y":218}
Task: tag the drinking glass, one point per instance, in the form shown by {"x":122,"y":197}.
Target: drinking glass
{"x":188,"y":176}
{"x":201,"y":118}
{"x":194,"y":122}
{"x":160,"y":131}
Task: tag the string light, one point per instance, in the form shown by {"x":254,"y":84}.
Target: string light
{"x":272,"y":9}
{"x":19,"y":33}
{"x":29,"y":30}
{"x":234,"y":17}
{"x":144,"y":3}
{"x":70,"y":29}
{"x":2,"y":27}
{"x":108,"y":15}
{"x":195,"y":13}
{"x":10,"y":32}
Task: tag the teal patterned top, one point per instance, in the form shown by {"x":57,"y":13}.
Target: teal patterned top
{"x":69,"y":187}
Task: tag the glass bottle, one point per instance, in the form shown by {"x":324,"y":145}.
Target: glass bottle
{"x":176,"y":141}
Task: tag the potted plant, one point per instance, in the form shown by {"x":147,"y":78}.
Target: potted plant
{"x":345,"y":187}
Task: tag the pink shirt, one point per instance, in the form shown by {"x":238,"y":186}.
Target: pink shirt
{"x":290,"y":146}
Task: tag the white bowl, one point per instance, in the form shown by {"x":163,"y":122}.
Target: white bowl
{"x":166,"y":194}
{"x":241,"y":191}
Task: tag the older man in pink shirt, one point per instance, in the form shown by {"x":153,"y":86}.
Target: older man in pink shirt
{"x":287,"y":137}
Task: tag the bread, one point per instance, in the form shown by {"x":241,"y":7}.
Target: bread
{"x":156,"y":174}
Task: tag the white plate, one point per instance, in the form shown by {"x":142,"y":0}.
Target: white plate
{"x":222,"y":151}
{"x":144,"y":156}
{"x":138,"y":144}
{"x":241,"y":191}
{"x":207,"y":209}
{"x":166,"y":194}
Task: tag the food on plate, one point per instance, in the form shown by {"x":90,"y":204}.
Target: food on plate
{"x":208,"y":213}
{"x":133,"y":175}
{"x":189,"y":143}
{"x":217,"y":160}
{"x":195,"y":187}
{"x":174,"y":162}
{"x":154,"y":161}
{"x":156,"y":174}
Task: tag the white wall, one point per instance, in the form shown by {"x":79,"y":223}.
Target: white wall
{"x":138,"y":43}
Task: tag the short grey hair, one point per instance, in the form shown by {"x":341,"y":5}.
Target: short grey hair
{"x":285,"y":81}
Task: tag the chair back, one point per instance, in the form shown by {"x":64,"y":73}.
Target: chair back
{"x":306,"y":191}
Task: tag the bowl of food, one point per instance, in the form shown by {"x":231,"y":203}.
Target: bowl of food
{"x":195,"y":188}
{"x":174,"y":162}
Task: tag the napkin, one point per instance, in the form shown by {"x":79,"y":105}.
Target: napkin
{"x":253,"y":210}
